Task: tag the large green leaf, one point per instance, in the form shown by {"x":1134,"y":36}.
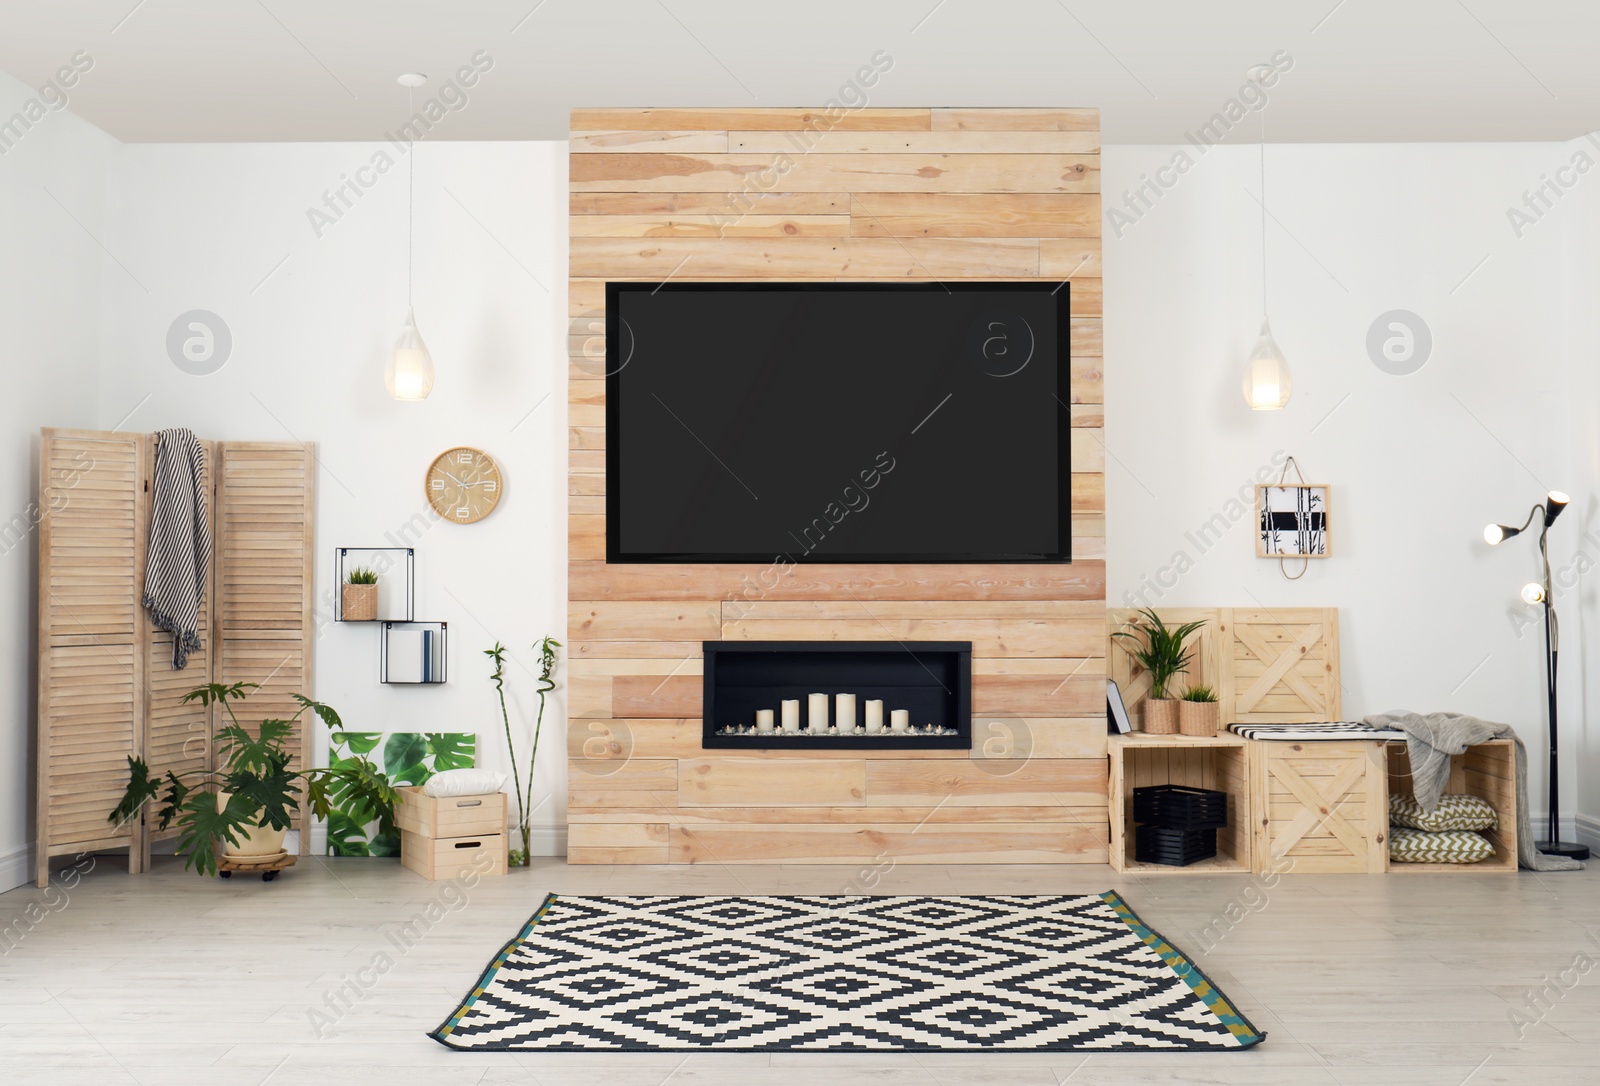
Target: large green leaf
{"x":452,"y":750}
{"x":141,"y":789}
{"x":385,"y":843}
{"x":347,"y":836}
{"x":274,"y":796}
{"x":358,"y":742}
{"x":402,"y":751}
{"x":201,"y":825}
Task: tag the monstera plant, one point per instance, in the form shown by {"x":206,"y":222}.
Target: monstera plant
{"x":254,"y":787}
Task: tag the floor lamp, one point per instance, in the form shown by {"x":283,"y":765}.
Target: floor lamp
{"x":1539,"y":592}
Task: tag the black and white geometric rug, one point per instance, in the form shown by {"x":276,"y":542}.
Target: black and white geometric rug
{"x":879,"y":974}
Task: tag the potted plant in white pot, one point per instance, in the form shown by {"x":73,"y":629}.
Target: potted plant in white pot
{"x":1159,"y":650}
{"x":243,"y":808}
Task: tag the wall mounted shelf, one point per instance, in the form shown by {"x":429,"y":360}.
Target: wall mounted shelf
{"x":414,"y":654}
{"x":394,"y":604}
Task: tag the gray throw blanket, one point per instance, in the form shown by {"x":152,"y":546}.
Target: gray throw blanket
{"x":1431,"y":738}
{"x":180,"y":541}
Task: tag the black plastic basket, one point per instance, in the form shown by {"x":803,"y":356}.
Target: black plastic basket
{"x":1174,"y":848}
{"x":1179,"y":807}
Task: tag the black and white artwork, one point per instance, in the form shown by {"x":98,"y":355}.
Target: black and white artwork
{"x":1291,"y":521}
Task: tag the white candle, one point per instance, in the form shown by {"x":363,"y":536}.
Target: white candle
{"x":845,"y":711}
{"x":874,"y":715}
{"x":817,"y":713}
{"x":763,"y":720}
{"x":900,"y":720}
{"x":791,"y":714}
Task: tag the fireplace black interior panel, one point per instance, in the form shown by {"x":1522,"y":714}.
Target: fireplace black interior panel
{"x":930,"y":679}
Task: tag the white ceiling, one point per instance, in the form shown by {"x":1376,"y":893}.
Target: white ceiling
{"x":1363,"y":70}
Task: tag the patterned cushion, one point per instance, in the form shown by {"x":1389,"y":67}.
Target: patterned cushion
{"x":1453,"y":813}
{"x":1450,"y":847}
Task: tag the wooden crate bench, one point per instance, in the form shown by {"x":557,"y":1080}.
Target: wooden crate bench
{"x":1220,"y":763}
{"x":448,"y":837}
{"x":1488,"y":771}
{"x":1320,"y":807}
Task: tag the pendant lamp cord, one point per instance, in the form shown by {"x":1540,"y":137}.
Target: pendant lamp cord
{"x":1263,"y":212}
{"x":410,"y":194}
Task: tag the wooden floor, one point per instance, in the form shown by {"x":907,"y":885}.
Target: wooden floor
{"x":1370,"y":980}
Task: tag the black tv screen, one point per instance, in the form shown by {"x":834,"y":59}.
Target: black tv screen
{"x":837,"y":422}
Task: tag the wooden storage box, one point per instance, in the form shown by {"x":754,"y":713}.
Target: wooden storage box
{"x":452,"y":816}
{"x":1488,"y":771}
{"x":454,"y":857}
{"x":1217,"y":762}
{"x":453,"y":836}
{"x":1320,"y":807}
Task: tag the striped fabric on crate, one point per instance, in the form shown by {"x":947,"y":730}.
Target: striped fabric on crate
{"x":1331,"y":731}
{"x":180,"y":541}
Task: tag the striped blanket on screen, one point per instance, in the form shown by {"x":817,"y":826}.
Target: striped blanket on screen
{"x":1337,"y":729}
{"x":180,"y":541}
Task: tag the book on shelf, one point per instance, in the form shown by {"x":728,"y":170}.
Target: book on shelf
{"x":1117,"y":721}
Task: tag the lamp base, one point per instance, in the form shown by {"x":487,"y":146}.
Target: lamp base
{"x":1569,"y":849}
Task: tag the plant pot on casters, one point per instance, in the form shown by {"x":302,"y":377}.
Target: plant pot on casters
{"x":1159,"y":650}
{"x":359,"y":597}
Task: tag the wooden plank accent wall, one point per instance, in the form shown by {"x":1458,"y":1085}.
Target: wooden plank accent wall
{"x":847,"y":195}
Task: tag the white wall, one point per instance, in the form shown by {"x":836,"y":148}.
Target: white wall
{"x":1418,"y":464}
{"x":52,"y":204}
{"x":204,"y":227}
{"x":1501,"y":411}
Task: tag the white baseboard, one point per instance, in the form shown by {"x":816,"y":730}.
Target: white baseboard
{"x":16,"y":868}
{"x":1584,"y":829}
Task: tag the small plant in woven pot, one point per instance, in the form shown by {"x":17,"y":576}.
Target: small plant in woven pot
{"x":1198,"y":711}
{"x":360,"y":602}
{"x":1158,"y":649}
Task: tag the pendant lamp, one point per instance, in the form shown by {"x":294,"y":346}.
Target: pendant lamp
{"x":1267,"y":383}
{"x":409,"y":374}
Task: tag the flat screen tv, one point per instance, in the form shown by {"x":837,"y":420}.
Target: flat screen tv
{"x":838,"y":422}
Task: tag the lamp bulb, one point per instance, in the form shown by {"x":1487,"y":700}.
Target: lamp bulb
{"x":1533,"y":592}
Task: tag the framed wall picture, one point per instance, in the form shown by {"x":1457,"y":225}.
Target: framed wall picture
{"x":1291,"y":521}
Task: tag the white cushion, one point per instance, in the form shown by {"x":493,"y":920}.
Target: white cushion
{"x":464,"y":782}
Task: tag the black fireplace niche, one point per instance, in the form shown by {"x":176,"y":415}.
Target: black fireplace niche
{"x":932,"y":680}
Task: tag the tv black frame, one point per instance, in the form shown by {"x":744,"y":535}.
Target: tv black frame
{"x":1060,"y":291}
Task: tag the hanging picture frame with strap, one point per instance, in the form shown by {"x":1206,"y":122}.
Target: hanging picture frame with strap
{"x":1292,"y":518}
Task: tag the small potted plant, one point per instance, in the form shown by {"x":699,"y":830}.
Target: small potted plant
{"x":1198,"y":712}
{"x":1159,"y":650}
{"x":360,"y":602}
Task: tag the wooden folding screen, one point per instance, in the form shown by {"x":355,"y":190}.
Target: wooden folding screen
{"x":107,"y":688}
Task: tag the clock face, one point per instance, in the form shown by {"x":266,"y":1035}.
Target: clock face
{"x":464,"y":485}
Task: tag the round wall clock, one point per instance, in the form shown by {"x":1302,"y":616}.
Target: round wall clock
{"x":464,"y":485}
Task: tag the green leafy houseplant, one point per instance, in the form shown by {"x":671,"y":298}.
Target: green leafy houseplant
{"x":361,"y":575}
{"x":547,"y":664}
{"x":1159,"y":649}
{"x":1200,"y":693}
{"x":262,"y":790}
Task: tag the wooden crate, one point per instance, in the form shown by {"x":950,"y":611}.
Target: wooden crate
{"x":450,"y":816}
{"x":454,"y":857}
{"x":1320,"y":807}
{"x":1219,"y":763}
{"x":1489,"y":771}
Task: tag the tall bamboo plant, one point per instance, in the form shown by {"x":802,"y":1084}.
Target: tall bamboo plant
{"x":547,"y":665}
